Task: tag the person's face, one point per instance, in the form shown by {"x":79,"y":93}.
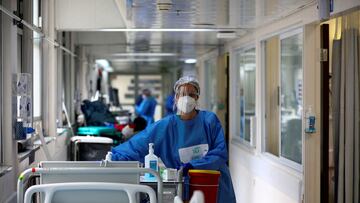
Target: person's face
{"x":146,"y":93}
{"x":187,"y":90}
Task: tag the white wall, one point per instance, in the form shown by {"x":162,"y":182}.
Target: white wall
{"x":7,"y":187}
{"x":57,"y":149}
{"x":257,"y":178}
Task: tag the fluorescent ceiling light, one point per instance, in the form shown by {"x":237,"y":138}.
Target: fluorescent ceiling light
{"x":190,"y":61}
{"x":144,"y":54}
{"x":109,"y":69}
{"x":159,"y":30}
{"x":137,"y":60}
{"x":103,"y":62}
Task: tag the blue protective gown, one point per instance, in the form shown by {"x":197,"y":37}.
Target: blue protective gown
{"x":169,"y":105}
{"x":146,"y":109}
{"x":171,"y":134}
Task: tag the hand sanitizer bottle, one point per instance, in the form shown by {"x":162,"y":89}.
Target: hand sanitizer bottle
{"x":151,"y":161}
{"x":310,"y":121}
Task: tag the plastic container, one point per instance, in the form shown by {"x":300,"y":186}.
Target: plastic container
{"x":95,"y":130}
{"x":151,"y":161}
{"x":88,"y":148}
{"x":102,"y":131}
{"x":310,"y":121}
{"x":206,"y":181}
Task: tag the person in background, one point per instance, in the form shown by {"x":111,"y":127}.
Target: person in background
{"x":146,"y":109}
{"x":192,"y":139}
{"x":169,"y":104}
{"x":140,"y":124}
{"x":131,"y":129}
{"x":138,"y":99}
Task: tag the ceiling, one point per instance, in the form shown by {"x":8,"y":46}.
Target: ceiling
{"x":240,"y":16}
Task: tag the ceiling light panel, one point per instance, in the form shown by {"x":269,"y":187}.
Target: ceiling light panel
{"x":144,"y":54}
{"x":136,"y":60}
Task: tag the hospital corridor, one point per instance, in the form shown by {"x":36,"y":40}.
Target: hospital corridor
{"x":180,"y":101}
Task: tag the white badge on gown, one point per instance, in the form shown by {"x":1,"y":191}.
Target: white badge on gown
{"x":194,"y":152}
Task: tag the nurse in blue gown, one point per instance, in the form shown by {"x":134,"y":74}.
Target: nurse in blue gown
{"x":193,"y":139}
{"x":146,"y":108}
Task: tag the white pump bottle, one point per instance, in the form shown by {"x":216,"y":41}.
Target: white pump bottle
{"x":151,"y":161}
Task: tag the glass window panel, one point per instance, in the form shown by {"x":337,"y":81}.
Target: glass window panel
{"x":241,"y":95}
{"x":210,"y":93}
{"x":291,"y":97}
{"x":36,"y":12}
{"x":245,"y":60}
{"x":247,"y":92}
{"x":37,"y":77}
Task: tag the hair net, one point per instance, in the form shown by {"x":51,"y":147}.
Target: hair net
{"x":146,"y":91}
{"x":187,"y":80}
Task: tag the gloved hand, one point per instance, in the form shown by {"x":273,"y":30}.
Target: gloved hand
{"x":186,"y":167}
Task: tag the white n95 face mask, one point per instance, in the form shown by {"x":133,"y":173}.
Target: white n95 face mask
{"x":186,"y":104}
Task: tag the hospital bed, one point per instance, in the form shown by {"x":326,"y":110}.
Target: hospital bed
{"x":64,"y":174}
{"x":50,"y":190}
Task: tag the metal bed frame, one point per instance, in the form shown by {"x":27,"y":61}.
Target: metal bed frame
{"x":83,"y":171}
